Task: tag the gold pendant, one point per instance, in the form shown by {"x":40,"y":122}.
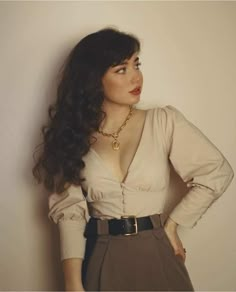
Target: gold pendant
{"x":115,"y":145}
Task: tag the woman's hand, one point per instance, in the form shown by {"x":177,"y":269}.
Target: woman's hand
{"x":170,"y":228}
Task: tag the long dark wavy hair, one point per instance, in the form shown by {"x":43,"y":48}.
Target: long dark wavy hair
{"x":77,"y":111}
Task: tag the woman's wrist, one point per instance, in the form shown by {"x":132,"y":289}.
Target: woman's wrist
{"x":76,"y":286}
{"x":171,"y":225}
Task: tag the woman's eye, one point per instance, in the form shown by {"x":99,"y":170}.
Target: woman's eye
{"x":121,"y":70}
{"x":138,"y":65}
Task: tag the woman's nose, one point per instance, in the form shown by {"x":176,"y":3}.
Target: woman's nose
{"x":136,"y":77}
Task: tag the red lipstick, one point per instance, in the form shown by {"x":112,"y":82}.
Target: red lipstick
{"x":136,"y":90}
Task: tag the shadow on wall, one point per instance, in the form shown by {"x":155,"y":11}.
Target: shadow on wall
{"x":51,"y":240}
{"x":50,"y":244}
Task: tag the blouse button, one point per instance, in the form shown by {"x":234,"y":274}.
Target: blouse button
{"x":96,"y":197}
{"x":93,"y":197}
{"x":142,"y":187}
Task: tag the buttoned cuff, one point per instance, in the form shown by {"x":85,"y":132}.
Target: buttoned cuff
{"x":72,"y":240}
{"x":192,"y":207}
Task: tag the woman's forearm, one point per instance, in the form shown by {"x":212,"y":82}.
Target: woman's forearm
{"x":170,"y":224}
{"x":72,"y":274}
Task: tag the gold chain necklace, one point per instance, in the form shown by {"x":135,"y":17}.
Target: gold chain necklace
{"x":116,"y":144}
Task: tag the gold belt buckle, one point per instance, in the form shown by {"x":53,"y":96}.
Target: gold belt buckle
{"x":135,"y":223}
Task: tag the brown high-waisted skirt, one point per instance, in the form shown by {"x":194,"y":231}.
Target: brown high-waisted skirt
{"x":142,"y":262}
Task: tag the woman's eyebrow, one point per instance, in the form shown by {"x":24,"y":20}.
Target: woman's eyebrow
{"x":125,"y":62}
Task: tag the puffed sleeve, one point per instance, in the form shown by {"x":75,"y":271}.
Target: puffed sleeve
{"x":199,"y":163}
{"x":69,"y":211}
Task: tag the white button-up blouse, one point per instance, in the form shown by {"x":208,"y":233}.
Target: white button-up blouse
{"x":167,"y":137}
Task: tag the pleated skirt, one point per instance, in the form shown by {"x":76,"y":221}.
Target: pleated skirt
{"x":142,"y":262}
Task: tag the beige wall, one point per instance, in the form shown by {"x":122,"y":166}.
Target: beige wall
{"x":188,"y":60}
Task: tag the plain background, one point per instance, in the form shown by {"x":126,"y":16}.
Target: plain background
{"x":188,"y":60}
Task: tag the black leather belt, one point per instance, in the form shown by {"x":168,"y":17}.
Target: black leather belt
{"x":127,"y":225}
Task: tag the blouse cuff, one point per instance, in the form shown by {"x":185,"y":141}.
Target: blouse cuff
{"x":72,"y":240}
{"x":194,"y":205}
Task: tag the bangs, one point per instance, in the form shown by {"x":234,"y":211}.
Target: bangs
{"x":106,"y":48}
{"x":120,"y":49}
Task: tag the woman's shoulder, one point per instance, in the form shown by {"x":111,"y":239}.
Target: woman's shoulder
{"x":169,"y":109}
{"x":167,"y":113}
{"x":166,"y":118}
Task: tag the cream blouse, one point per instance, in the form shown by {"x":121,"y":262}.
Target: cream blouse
{"x":167,"y":137}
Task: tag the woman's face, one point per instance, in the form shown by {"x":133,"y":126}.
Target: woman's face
{"x":119,"y":82}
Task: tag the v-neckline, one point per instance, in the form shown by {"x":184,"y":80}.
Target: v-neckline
{"x":133,"y":159}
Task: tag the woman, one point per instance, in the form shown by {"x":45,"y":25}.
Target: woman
{"x":106,"y":164}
